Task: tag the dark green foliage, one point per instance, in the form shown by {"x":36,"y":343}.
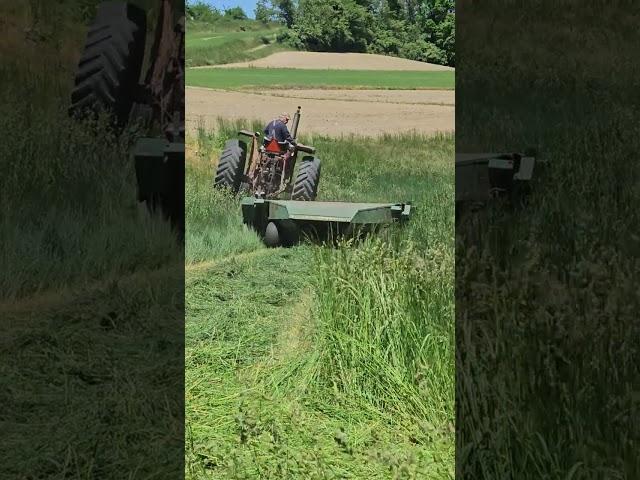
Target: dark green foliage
{"x":438,"y":23}
{"x":263,"y":12}
{"x":291,"y":38}
{"x":333,"y":25}
{"x":285,"y":10}
{"x":202,"y":12}
{"x":423,"y":31}
{"x":236,"y":13}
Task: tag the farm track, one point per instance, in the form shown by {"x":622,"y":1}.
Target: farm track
{"x":443,"y":98}
{"x":259,"y":47}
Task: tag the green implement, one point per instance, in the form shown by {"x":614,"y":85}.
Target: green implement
{"x":482,"y":176}
{"x":285,"y":222}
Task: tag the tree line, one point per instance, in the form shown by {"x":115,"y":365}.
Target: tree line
{"x":421,"y":30}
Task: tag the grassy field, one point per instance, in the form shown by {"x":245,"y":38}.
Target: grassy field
{"x":230,"y":41}
{"x":90,"y":287}
{"x":313,"y":362}
{"x":60,"y":225}
{"x":547,"y":326}
{"x":293,"y":78}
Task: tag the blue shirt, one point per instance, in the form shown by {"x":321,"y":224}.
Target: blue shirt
{"x":278,"y":130}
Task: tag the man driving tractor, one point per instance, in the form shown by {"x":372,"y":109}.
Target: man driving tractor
{"x":277,"y":129}
{"x":271,"y":162}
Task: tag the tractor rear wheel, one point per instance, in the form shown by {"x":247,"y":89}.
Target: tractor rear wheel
{"x":231,"y":165}
{"x":306,"y":185}
{"x":110,"y":65}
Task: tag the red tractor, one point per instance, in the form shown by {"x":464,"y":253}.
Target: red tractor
{"x":269,"y":171}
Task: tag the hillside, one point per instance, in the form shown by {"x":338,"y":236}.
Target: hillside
{"x":338,"y":61}
{"x":420,"y":31}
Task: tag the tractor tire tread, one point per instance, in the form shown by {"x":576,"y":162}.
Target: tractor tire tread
{"x":110,"y":65}
{"x":231,"y":165}
{"x":305,"y":187}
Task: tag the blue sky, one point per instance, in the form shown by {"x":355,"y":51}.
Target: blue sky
{"x":247,"y":5}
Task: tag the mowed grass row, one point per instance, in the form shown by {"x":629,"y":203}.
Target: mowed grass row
{"x":98,"y":367}
{"x":292,"y":78}
{"x":315,"y":362}
{"x":226,"y":42}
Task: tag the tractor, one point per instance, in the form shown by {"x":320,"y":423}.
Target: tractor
{"x":268,"y":174}
{"x":109,"y":79}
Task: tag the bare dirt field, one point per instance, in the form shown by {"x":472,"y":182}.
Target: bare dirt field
{"x":410,"y":97}
{"x":330,"y":112}
{"x":335,"y":61}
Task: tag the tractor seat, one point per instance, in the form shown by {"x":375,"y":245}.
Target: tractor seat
{"x":273,"y":146}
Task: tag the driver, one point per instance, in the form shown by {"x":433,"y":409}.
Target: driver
{"x":277,"y":128}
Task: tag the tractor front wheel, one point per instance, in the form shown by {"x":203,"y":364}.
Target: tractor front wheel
{"x":231,"y":166}
{"x":306,"y":185}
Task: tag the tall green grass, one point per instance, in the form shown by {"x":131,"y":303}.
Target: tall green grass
{"x":547,"y":329}
{"x":68,"y":192}
{"x":385,"y":327}
{"x":213,"y":223}
{"x":334,"y":361}
{"x":91,"y":289}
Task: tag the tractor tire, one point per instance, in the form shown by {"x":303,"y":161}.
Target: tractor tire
{"x":110,"y":65}
{"x":306,"y":185}
{"x":231,"y":166}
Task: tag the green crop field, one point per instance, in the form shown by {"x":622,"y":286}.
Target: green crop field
{"x":318,"y":362}
{"x":292,"y":78}
{"x":230,"y":41}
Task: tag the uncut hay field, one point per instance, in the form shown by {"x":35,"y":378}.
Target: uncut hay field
{"x":341,"y":94}
{"x":317,"y":362}
{"x":547,"y":300}
{"x":86,"y":277}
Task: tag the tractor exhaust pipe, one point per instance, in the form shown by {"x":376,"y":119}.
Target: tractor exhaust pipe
{"x":294,"y":125}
